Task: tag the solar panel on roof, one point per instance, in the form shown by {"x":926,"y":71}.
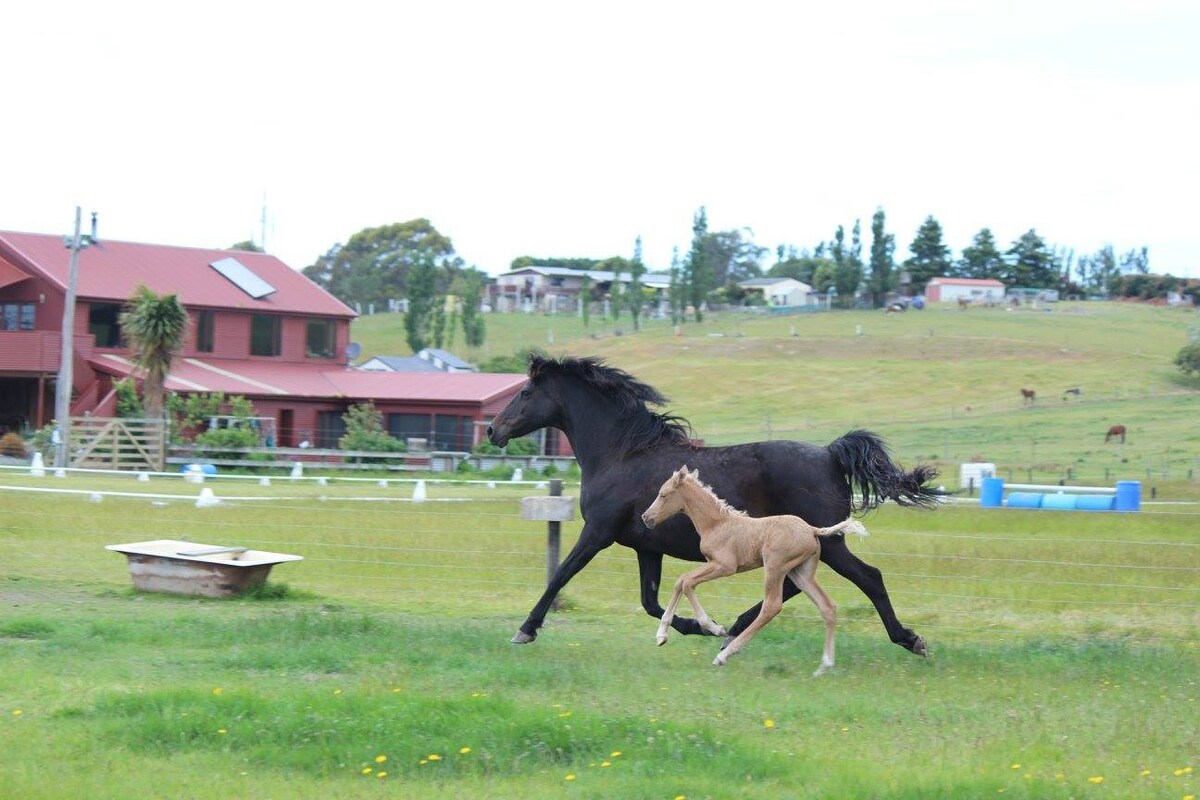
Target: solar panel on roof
{"x":243,"y":278}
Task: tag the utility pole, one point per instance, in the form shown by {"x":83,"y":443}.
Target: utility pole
{"x":62,"y":391}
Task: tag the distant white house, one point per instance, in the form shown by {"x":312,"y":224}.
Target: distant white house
{"x":951,"y":290}
{"x":537,"y":288}
{"x":428,"y":360}
{"x":780,"y":291}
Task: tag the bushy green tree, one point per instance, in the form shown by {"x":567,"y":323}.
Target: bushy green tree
{"x":1031,"y":262}
{"x":883,"y":266}
{"x":697,"y":268}
{"x":474,"y":332}
{"x":930,"y":255}
{"x":419,"y":320}
{"x":364,"y":431}
{"x":982,"y":259}
{"x":1188,"y":359}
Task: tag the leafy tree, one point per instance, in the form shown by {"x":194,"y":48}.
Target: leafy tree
{"x":635,"y":297}
{"x":1136,"y":261}
{"x":883,"y":265}
{"x":418,"y":322}
{"x":518,"y":362}
{"x":129,"y":405}
{"x":982,"y":259}
{"x":375,"y":265}
{"x":247,"y":246}
{"x":801,"y":265}
{"x":437,"y":322}
{"x":585,"y":299}
{"x":1188,"y":359}
{"x":697,"y":268}
{"x":676,"y":291}
{"x":930,"y":255}
{"x":733,"y":256}
{"x":154,"y":327}
{"x":474,"y":332}
{"x":847,"y":270}
{"x":1031,"y":262}
{"x":364,"y":431}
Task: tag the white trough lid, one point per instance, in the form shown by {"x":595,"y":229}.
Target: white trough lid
{"x":207,"y":553}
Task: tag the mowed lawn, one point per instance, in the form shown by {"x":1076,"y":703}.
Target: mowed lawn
{"x":1063,"y":662}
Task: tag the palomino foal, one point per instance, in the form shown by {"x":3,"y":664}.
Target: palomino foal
{"x":731,"y":541}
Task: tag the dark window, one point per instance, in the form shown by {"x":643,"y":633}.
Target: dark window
{"x":16,"y":317}
{"x":320,"y":338}
{"x":265,"y":335}
{"x":451,"y":433}
{"x":204,"y":331}
{"x":330,"y":428}
{"x":408,"y":426}
{"x":103,"y":324}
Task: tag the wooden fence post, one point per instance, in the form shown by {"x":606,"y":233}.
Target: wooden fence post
{"x":554,"y":510}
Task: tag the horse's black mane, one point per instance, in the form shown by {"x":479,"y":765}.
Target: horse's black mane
{"x":643,"y":428}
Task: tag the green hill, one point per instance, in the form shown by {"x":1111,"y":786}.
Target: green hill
{"x":941,"y":384}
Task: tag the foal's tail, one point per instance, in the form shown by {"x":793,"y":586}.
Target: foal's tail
{"x":848,"y":526}
{"x":874,"y":478}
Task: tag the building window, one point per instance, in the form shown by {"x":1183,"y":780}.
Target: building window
{"x":451,"y":433}
{"x":320,"y":338}
{"x":409,"y":426}
{"x":103,"y":324}
{"x":330,"y":428}
{"x":17,"y":317}
{"x":204,"y":331}
{"x":265,"y":338}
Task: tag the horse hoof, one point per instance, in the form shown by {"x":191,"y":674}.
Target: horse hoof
{"x":660,"y":640}
{"x":719,"y":661}
{"x":919,"y":648}
{"x":522,"y":637}
{"x":719,"y":631}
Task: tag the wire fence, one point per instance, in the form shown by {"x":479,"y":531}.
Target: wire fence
{"x":464,"y":551}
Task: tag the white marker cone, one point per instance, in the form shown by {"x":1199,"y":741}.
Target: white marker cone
{"x":264,"y":481}
{"x":322,"y":481}
{"x":60,"y":473}
{"x":419,"y":492}
{"x":518,"y":474}
{"x":143,"y":477}
{"x":96,"y":497}
{"x":38,"y":467}
{"x":207,"y":499}
{"x":297,"y":471}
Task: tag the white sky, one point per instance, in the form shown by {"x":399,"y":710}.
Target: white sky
{"x":569,"y":128}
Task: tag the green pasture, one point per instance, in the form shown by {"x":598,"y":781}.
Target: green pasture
{"x":1064,"y":657}
{"x":940,"y":384}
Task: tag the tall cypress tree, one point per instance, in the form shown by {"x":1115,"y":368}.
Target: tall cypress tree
{"x":883,"y":265}
{"x":930,"y":255}
{"x":636,"y":270}
{"x":697,"y":267}
{"x":982,"y":259}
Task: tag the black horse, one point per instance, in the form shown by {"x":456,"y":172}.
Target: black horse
{"x":626,"y":451}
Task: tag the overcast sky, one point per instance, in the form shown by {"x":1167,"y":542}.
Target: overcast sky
{"x":570,"y":128}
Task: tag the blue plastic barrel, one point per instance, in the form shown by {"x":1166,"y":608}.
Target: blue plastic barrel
{"x":1095,"y":502}
{"x":1129,"y":496}
{"x":1060,"y":501}
{"x":1025,"y":499}
{"x":991,"y":493}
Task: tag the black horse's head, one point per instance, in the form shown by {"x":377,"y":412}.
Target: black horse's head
{"x":607,"y":392}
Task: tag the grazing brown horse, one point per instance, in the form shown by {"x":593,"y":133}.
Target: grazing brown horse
{"x":785,"y":546}
{"x":1115,"y":430}
{"x":1029,"y":395}
{"x":1075,"y":390}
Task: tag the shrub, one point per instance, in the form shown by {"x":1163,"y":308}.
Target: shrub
{"x":12,"y":445}
{"x":129,"y":405}
{"x":364,"y":431}
{"x":522,"y":447}
{"x":1188,"y":359}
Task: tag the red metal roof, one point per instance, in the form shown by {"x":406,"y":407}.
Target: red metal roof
{"x":10,"y":274}
{"x":267,"y":378}
{"x":112,"y":270}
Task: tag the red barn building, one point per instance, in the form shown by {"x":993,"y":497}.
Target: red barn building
{"x":257,"y":328}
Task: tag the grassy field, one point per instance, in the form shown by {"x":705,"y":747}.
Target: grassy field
{"x":1064,"y":658}
{"x":1065,"y":646}
{"x":940,"y":384}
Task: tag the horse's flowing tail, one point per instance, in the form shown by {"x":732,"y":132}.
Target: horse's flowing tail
{"x":848,"y":526}
{"x":874,"y":478}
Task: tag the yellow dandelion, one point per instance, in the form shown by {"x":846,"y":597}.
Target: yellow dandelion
{"x":570,"y":776}
{"x":1189,"y":797}
{"x":768,"y":723}
{"x":380,"y":759}
{"x":396,"y":689}
{"x":434,"y":757}
{"x":1145,"y":773}
{"x":367,"y":770}
{"x":845,"y":729}
{"x":462,"y":751}
{"x":564,"y":713}
{"x":615,"y":754}
{"x":381,"y":774}
{"x":1096,"y":779}
{"x":423,"y":761}
{"x":1179,"y":772}
{"x":1058,"y":776}
{"x":17,"y":712}
{"x":1187,"y":770}
{"x":681,"y":797}
{"x":606,"y":763}
{"x":1016,"y":766}
{"x":217,"y":691}
{"x":337,"y":691}
{"x":222,"y":731}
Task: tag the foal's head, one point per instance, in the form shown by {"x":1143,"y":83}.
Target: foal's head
{"x":670,"y":499}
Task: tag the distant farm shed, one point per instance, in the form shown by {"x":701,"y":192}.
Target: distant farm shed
{"x":951,"y":290}
{"x":780,"y":291}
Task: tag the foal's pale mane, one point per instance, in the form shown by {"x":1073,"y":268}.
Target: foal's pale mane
{"x":722,"y":506}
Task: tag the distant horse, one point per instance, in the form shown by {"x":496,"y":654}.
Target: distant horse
{"x":732,"y":542}
{"x":1114,"y":431}
{"x":1075,"y":390}
{"x":625,"y":451}
{"x":964,"y":303}
{"x":893,"y":308}
{"x":1029,"y":395}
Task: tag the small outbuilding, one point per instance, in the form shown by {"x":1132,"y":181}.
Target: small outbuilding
{"x":974,"y":290}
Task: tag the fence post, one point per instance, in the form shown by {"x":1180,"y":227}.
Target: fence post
{"x":553,"y":539}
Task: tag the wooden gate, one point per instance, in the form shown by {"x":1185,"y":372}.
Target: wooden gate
{"x":114,"y":443}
